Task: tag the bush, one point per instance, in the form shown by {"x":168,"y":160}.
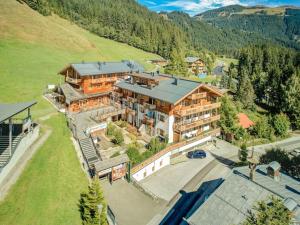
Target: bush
{"x":281,"y":124}
{"x":155,"y":145}
{"x":134,"y":155}
{"x":262,"y":128}
{"x":118,"y":137}
{"x":121,"y":123}
{"x":110,"y":130}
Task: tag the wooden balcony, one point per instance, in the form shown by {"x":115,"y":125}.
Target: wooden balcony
{"x":130,"y":111}
{"x":197,"y":96}
{"x":148,"y":120}
{"x":104,"y":79}
{"x":149,"y":106}
{"x":73,"y":80}
{"x":196,"y":109}
{"x":180,"y":127}
{"x":131,"y":99}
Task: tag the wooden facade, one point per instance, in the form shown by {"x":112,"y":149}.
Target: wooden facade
{"x":95,"y":89}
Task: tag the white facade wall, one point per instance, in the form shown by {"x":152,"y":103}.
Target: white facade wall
{"x":148,"y":170}
{"x":153,"y":167}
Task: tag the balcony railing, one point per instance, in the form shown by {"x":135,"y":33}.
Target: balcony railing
{"x":183,"y":126}
{"x":149,"y":106}
{"x":104,"y":79}
{"x":130,"y":111}
{"x":198,"y":95}
{"x":131,"y":99}
{"x":196,"y":109}
{"x":73,"y":80}
{"x":148,"y":120}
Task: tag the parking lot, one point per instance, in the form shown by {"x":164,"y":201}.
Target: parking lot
{"x":166,"y":183}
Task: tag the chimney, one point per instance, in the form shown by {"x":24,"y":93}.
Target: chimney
{"x":99,"y":64}
{"x":273,"y":170}
{"x":175,"y":81}
{"x":252,"y":166}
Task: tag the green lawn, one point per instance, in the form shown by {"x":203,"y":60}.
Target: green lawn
{"x":33,"y":49}
{"x":49,"y":188}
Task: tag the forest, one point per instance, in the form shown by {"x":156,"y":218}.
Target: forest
{"x":268,"y":76}
{"x":128,"y":22}
{"x":281,"y":26}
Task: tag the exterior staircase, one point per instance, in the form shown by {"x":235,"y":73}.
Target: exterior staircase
{"x":4,"y":148}
{"x":89,"y":151}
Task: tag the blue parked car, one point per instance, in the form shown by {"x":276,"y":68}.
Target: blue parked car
{"x":196,"y":154}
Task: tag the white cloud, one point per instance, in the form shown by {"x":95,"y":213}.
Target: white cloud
{"x":201,"y":5}
{"x":150,"y":2}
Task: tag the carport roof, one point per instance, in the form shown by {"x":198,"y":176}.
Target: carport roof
{"x":9,"y":110}
{"x":109,"y":163}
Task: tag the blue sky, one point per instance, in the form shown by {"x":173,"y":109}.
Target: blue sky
{"x":196,"y":6}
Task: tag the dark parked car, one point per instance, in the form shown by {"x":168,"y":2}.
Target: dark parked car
{"x":196,"y":154}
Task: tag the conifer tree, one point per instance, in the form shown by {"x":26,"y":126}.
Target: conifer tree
{"x":89,"y":205}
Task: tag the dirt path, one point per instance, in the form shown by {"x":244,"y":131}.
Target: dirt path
{"x":17,"y":170}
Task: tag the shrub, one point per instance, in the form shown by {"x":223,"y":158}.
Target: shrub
{"x":155,"y":145}
{"x":110,"y":130}
{"x":118,"y":137}
{"x":262,"y":128}
{"x":281,"y":124}
{"x":134,"y":155}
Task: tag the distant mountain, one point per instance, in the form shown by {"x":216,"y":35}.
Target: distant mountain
{"x":219,"y":40}
{"x":223,"y":31}
{"x":280,"y":24}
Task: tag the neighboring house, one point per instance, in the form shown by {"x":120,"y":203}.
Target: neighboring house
{"x":238,"y":194}
{"x":89,"y":85}
{"x":169,"y":107}
{"x":244,"y":121}
{"x":195,"y":65}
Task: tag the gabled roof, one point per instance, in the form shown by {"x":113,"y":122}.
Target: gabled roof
{"x":191,"y":59}
{"x":166,"y":90}
{"x":238,"y":194}
{"x":244,"y":121}
{"x":109,"y":163}
{"x":9,"y":110}
{"x":97,"y":68}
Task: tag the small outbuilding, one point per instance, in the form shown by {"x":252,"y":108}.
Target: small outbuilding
{"x":244,"y":121}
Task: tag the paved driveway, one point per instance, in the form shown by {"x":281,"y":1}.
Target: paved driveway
{"x":166,"y":183}
{"x":130,"y":205}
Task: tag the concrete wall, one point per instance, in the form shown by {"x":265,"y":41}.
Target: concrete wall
{"x":153,"y":167}
{"x":24,"y":144}
{"x":165,"y":159}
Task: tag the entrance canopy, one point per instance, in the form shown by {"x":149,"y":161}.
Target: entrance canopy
{"x":9,"y":110}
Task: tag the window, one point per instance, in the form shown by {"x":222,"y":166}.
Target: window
{"x":153,"y":168}
{"x":161,"y":162}
{"x":145,"y":173}
{"x":161,"y":118}
{"x":161,"y":132}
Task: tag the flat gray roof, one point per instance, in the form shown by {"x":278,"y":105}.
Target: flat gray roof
{"x":166,"y":90}
{"x":96,"y":68}
{"x":109,"y":163}
{"x":9,"y":110}
{"x":237,"y":194}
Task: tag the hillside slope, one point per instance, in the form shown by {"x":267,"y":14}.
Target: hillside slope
{"x":280,"y":24}
{"x":33,"y":48}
